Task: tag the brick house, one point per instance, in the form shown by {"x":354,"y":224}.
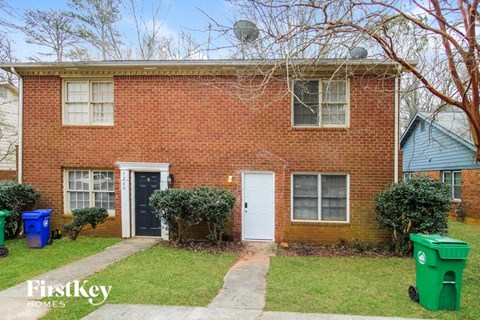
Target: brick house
{"x":304,"y":167}
{"x":441,"y":146}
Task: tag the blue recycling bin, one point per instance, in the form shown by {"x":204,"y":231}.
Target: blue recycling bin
{"x":37,"y":227}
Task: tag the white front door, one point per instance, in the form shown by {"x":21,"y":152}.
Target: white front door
{"x":258,"y":206}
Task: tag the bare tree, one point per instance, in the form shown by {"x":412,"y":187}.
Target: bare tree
{"x":147,"y":29}
{"x":6,"y":55}
{"x":450,"y":29}
{"x":9,"y":136}
{"x":97,"y":25}
{"x":51,"y":29}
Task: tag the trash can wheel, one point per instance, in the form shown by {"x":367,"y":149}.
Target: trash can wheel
{"x":413,"y":293}
{"x":3,"y":252}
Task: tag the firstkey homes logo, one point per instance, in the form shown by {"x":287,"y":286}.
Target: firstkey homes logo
{"x":95,"y":295}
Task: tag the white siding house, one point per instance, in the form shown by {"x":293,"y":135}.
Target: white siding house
{"x":8,"y":125}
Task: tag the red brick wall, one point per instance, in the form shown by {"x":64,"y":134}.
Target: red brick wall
{"x":198,"y":126}
{"x":471,"y":196}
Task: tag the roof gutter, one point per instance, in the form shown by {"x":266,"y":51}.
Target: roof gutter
{"x":397,"y":130}
{"x":20,"y":126}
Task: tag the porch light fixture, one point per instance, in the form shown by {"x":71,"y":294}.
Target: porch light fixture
{"x":230,"y":179}
{"x":170,"y":179}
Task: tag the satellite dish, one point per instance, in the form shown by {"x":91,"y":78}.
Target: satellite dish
{"x":245,"y":31}
{"x":358,"y":53}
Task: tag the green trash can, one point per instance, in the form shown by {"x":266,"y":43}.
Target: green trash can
{"x":439,"y":268}
{"x":3,"y":215}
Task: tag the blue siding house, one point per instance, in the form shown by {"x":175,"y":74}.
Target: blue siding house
{"x":440,"y":145}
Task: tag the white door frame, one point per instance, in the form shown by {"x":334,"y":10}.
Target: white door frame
{"x":243,"y":203}
{"x":127,"y":192}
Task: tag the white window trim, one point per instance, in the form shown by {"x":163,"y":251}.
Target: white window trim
{"x":66,"y":198}
{"x":127,"y":188}
{"x":452,"y":190}
{"x":319,"y":174}
{"x":407,"y":175}
{"x":90,"y":102}
{"x":319,"y":126}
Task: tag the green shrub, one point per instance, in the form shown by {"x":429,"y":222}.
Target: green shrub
{"x":173,"y":207}
{"x":84,"y":217}
{"x":181,"y":208}
{"x":417,"y":205}
{"x":16,"y":198}
{"x":214,"y":206}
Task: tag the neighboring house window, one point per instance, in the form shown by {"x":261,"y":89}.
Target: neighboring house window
{"x":320,"y":103}
{"x":89,"y":188}
{"x":422,"y":126}
{"x":320,"y":197}
{"x":407,"y":176}
{"x":453,"y":179}
{"x":3,"y":92}
{"x":88,"y":102}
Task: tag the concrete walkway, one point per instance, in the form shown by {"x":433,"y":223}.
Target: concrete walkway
{"x":15,"y":303}
{"x":244,"y":285}
{"x":132,"y":312}
{"x":241,"y":298}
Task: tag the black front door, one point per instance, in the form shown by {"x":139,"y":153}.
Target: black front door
{"x":146,"y":221}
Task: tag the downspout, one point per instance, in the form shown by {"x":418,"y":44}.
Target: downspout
{"x":397,"y":129}
{"x":20,"y":125}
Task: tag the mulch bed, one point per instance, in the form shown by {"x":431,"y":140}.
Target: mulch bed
{"x":338,"y":250}
{"x":206,"y":246}
{"x":294,"y":250}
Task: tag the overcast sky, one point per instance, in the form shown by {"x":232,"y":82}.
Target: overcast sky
{"x":178,"y":15}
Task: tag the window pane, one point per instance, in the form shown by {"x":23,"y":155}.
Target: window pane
{"x":334,"y":91}
{"x":305,"y":197}
{"x":78,"y":180}
{"x":103,"y":180}
{"x":333,"y":113}
{"x":447,"y":177}
{"x":305,"y":103}
{"x":76,"y":113}
{"x":305,"y":209}
{"x":457,"y":177}
{"x":77,"y":91}
{"x":102,"y":91}
{"x":334,"y":198}
{"x":457,"y":185}
{"x":105,"y":200}
{"x":457,"y":192}
{"x":102,"y":112}
{"x":79,"y":200}
{"x":305,"y":185}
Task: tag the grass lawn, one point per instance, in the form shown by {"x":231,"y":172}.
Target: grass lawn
{"x":158,"y":275}
{"x":366,"y":286}
{"x":24,"y":263}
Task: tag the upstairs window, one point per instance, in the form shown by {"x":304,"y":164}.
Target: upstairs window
{"x":320,"y":103}
{"x":453,"y":179}
{"x":88,"y":102}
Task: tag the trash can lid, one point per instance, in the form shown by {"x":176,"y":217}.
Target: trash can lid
{"x":36,"y":214}
{"x":4,"y":213}
{"x":30,"y":215}
{"x":45,"y":211}
{"x":448,"y":248}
